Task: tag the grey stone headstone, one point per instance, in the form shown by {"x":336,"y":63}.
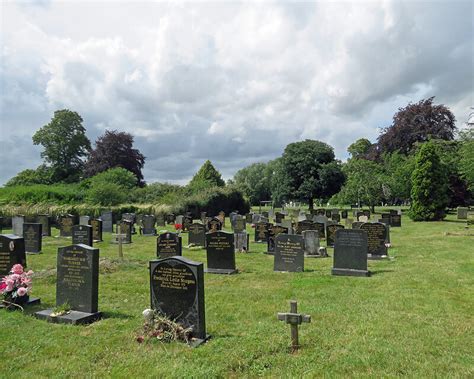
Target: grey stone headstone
{"x":289,"y":253}
{"x":287,"y":224}
{"x":168,"y":245}
{"x":311,"y":242}
{"x":107,"y":221}
{"x":241,"y":241}
{"x":350,"y":253}
{"x":160,"y":220}
{"x":239,"y":224}
{"x":12,"y":252}
{"x":148,"y":222}
{"x":395,"y":220}
{"x":33,"y":235}
{"x":78,"y":278}
{"x":17,"y":225}
{"x":177,"y":291}
{"x":255,"y":218}
{"x":84,"y":220}
{"x":220,"y":251}
{"x":44,"y":220}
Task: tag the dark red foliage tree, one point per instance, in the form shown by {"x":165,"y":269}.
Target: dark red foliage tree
{"x":417,"y":122}
{"x":115,"y":149}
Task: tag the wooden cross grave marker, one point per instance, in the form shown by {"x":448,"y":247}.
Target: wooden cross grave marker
{"x":294,"y":319}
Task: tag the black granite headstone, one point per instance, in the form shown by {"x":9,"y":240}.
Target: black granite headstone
{"x":66,"y":222}
{"x":220,"y":253}
{"x":261,"y":229}
{"x":214,"y":225}
{"x":331,"y":233}
{"x":344,"y":214}
{"x":350,"y":253}
{"x":82,"y":234}
{"x":32,"y":233}
{"x":170,"y":218}
{"x":12,"y":252}
{"x":168,"y":245}
{"x":177,"y":291}
{"x":376,"y":239}
{"x":289,"y":253}
{"x":301,"y":226}
{"x":197,"y":235}
{"x":395,"y":220}
{"x":272,"y":232}
{"x":44,"y":220}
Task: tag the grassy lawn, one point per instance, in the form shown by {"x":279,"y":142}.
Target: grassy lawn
{"x":414,"y":317}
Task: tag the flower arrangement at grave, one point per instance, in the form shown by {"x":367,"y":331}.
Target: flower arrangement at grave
{"x":16,"y":287}
{"x":158,"y":327}
{"x":178,"y":227}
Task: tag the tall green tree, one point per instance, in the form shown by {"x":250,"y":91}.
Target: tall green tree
{"x":466,"y":157}
{"x":429,"y":186}
{"x":311,"y":171}
{"x":65,"y":145}
{"x":255,"y":181}
{"x":206,"y":177}
{"x":360,"y":148}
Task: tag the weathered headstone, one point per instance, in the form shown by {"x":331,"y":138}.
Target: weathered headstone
{"x":197,"y":235}
{"x":168,"y":245}
{"x":12,"y":252}
{"x":170,"y":218}
{"x":220,"y":253}
{"x":107,"y":221}
{"x":84,"y":220}
{"x":148,"y":222}
{"x":272,"y":232}
{"x":33,"y":235}
{"x":160,"y":219}
{"x":221,"y":217}
{"x":395,"y":220}
{"x":301,"y":226}
{"x":66,"y":222}
{"x":311,"y":243}
{"x":187,"y":221}
{"x":232,"y":216}
{"x":350,"y":253}
{"x":46,"y":225}
{"x":248,"y":218}
{"x":289,"y":253}
{"x":241,"y":241}
{"x":288,"y":224}
{"x":376,"y":239}
{"x":261,"y":229}
{"x":214,"y":225}
{"x":279,"y":217}
{"x":177,"y":291}
{"x":17,"y":225}
{"x":239,"y":224}
{"x":77,"y":285}
{"x":363,"y":218}
{"x":320,"y":227}
{"x":96,"y":225}
{"x":331,"y":233}
{"x":336,"y":217}
{"x":462,"y":213}
{"x":82,"y":234}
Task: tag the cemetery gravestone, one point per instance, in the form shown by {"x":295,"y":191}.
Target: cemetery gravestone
{"x":12,"y":252}
{"x":328,"y":213}
{"x":33,"y":236}
{"x":350,"y":253}
{"x":177,"y":291}
{"x":239,"y":224}
{"x":462,"y":213}
{"x":96,"y":225}
{"x":220,"y":253}
{"x":311,"y":243}
{"x":386,"y":222}
{"x":197,"y":235}
{"x":288,"y":225}
{"x":363,"y":218}
{"x":331,"y":233}
{"x":82,"y":234}
{"x":17,"y":225}
{"x":66,"y":223}
{"x":344,"y":214}
{"x":279,"y":217}
{"x":289,"y":253}
{"x":336,"y":217}
{"x":319,"y":226}
{"x":356,"y":225}
{"x":187,"y":221}
{"x":77,"y":285}
{"x":261,"y":231}
{"x":160,"y":220}
{"x":168,"y":245}
{"x":232,"y":216}
{"x":395,"y":220}
{"x":301,"y":226}
{"x":148,"y":225}
{"x":221,"y":217}
{"x":272,"y":232}
{"x":84,"y":220}
{"x":376,"y":238}
{"x":170,"y":218}
{"x":107,"y":221}
{"x":241,"y":241}
{"x":248,"y":218}
{"x":214,"y":225}
{"x":46,"y":225}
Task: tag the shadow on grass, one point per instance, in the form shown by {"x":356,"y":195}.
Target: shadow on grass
{"x":116,"y":315}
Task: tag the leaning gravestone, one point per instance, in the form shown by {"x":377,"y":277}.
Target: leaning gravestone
{"x":220,"y":253}
{"x":168,"y":245}
{"x":311,"y":243}
{"x":17,"y":225}
{"x":66,"y":222}
{"x":33,"y":235}
{"x":289,"y":253}
{"x":376,"y":239}
{"x":197,"y":235}
{"x":462,"y":213}
{"x":77,"y":285}
{"x":96,"y":225}
{"x":12,"y":252}
{"x":350,"y":253}
{"x":46,"y":225}
{"x":177,"y":291}
{"x":82,"y":234}
{"x":107,"y":221}
{"x":331,"y":233}
{"x":148,"y":222}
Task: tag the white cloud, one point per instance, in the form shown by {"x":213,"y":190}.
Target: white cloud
{"x":230,"y":82}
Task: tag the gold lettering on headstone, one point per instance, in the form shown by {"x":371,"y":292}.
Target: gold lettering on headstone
{"x":174,"y":278}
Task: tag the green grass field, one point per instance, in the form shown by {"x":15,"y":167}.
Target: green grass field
{"x":414,"y":317}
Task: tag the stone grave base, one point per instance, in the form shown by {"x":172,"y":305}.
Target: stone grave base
{"x":375,"y":257}
{"x":198,"y":341}
{"x":349,"y":272}
{"x":221,"y":271}
{"x":73,"y":317}
{"x":316,"y":256}
{"x":31,"y":301}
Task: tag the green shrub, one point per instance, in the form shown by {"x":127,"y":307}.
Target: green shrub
{"x":40,"y":193}
{"x":42,"y":175}
{"x":158,"y":193}
{"x":118,"y":175}
{"x":429,"y":186}
{"x":102,"y":193}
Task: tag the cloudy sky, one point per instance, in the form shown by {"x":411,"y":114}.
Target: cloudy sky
{"x":226,"y":81}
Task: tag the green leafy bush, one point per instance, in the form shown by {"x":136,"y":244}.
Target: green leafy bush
{"x":42,"y":175}
{"x":40,"y":193}
{"x":104,"y":193}
{"x":118,"y":175}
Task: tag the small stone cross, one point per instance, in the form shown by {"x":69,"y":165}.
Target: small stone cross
{"x":294,"y":319}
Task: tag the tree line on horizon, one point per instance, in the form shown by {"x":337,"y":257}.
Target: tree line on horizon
{"x":416,"y":159}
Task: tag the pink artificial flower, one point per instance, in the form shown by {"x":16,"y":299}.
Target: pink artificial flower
{"x":29,"y":273}
{"x":15,"y":277}
{"x":25,"y":280}
{"x":17,"y":269}
{"x":22,"y":291}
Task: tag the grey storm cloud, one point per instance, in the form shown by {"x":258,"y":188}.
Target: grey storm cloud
{"x":230,"y":82}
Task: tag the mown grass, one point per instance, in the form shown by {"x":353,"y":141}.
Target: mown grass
{"x":413,"y":317}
